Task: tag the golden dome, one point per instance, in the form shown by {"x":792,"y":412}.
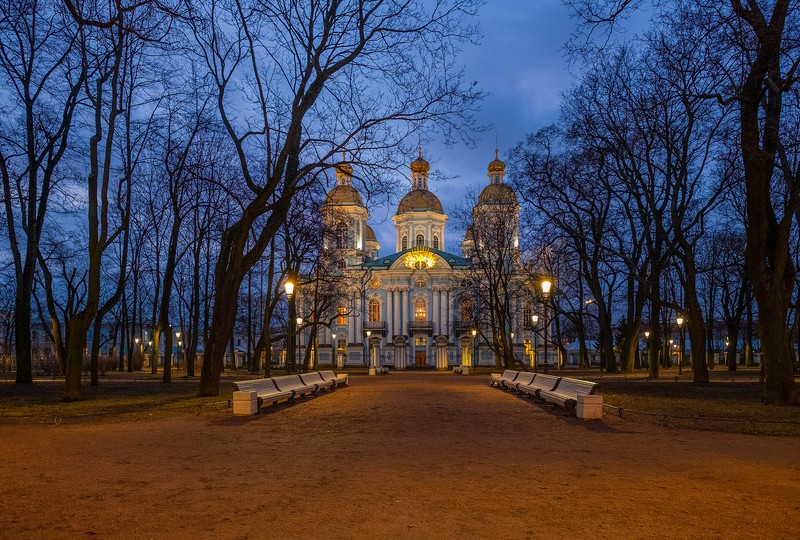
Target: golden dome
{"x":497,"y":193}
{"x":496,"y":165}
{"x":369,"y":234}
{"x":344,"y":194}
{"x":344,"y":169}
{"x":419,"y":165}
{"x":419,"y":199}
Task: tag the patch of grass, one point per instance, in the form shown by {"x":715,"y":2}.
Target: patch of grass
{"x":120,"y":399}
{"x":721,"y":406}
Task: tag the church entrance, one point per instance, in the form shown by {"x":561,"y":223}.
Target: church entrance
{"x":419,"y":359}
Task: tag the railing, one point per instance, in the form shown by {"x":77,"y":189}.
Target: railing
{"x":375,"y":326}
{"x":420,"y":325}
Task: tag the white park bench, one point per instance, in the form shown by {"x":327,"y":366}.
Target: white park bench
{"x":508,"y":375}
{"x":524,"y":377}
{"x":296,"y":385}
{"x":566,"y":393}
{"x":329,"y":375}
{"x":250,"y":396}
{"x":315,"y":378}
{"x":539,"y":383}
{"x":254,"y":394}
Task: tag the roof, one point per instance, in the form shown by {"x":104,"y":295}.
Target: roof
{"x":419,"y":200}
{"x":344,"y":194}
{"x":384,"y":263}
{"x":369,"y":234}
{"x":497,"y":193}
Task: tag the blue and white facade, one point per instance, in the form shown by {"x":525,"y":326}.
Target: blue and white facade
{"x":401,"y":308}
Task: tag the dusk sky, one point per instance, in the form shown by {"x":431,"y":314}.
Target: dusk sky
{"x":520,"y":63}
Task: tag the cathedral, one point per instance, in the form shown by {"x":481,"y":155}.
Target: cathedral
{"x":400,"y":309}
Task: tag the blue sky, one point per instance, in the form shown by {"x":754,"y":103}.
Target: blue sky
{"x":520,"y":63}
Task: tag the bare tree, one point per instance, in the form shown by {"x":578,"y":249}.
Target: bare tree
{"x":322,"y":77}
{"x":42,"y":74}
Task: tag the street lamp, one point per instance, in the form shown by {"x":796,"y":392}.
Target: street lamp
{"x":535,"y":321}
{"x":369,"y":348}
{"x":299,"y":321}
{"x":679,"y":322}
{"x":474,"y":361}
{"x":334,"y":349}
{"x":546,"y":285}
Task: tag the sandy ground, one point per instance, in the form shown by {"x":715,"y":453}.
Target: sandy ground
{"x":414,"y":455}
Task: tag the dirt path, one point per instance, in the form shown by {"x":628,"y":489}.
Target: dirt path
{"x":417,"y":455}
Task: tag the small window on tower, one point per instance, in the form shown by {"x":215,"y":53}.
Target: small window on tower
{"x":435,"y":242}
{"x":341,"y":236}
{"x":404,"y":244}
{"x":420,"y":240}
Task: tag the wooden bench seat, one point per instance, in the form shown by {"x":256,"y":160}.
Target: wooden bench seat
{"x":295,"y":384}
{"x":329,"y":375}
{"x":265,"y":389}
{"x":315,"y":378}
{"x":566,"y":393}
{"x":524,"y":377}
{"x":508,"y":375}
{"x":539,"y":383}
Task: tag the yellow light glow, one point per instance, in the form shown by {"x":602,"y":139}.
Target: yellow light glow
{"x":420,"y":257}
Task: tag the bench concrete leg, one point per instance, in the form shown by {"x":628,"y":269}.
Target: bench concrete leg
{"x":245,"y":403}
{"x":589,"y":407}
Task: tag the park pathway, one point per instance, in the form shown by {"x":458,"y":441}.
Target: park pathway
{"x":408,"y":455}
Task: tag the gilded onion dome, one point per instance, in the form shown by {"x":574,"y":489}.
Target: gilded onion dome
{"x":419,"y":165}
{"x":419,"y":200}
{"x":344,"y":194}
{"x":369,"y":234}
{"x":497,"y":165}
{"x":497,"y":193}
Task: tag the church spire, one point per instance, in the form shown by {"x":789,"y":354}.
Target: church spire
{"x":419,"y":172}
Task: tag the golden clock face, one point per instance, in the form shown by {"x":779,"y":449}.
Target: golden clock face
{"x":375,"y":283}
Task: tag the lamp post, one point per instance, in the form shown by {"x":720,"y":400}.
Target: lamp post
{"x":369,"y":349}
{"x":178,"y":355}
{"x":647,"y":345}
{"x":679,"y":322}
{"x":535,"y":321}
{"x":334,"y":350}
{"x":288,"y":288}
{"x":299,"y":321}
{"x":546,"y":284}
{"x":473,"y":361}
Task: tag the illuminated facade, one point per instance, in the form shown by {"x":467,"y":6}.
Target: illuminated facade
{"x":401,"y":308}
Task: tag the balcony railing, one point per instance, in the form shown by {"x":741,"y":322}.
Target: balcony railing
{"x":420,"y":325}
{"x":374,"y":326}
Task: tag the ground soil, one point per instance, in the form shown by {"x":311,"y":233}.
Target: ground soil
{"x":408,"y":455}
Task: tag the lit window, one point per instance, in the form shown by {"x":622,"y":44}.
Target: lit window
{"x":420,"y":310}
{"x":404,"y":244}
{"x":420,"y":341}
{"x":420,"y":240}
{"x":341,"y":320}
{"x":374,"y":310}
{"x":466,"y":310}
{"x":342,"y":344}
{"x":435,"y":242}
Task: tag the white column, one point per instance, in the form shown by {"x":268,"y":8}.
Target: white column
{"x":434,"y":309}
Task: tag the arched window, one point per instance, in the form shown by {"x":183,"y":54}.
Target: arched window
{"x":341,"y":236}
{"x":341,"y":320}
{"x":374,"y":310}
{"x":420,"y":310}
{"x":404,"y":244}
{"x":435,"y":242}
{"x":420,"y":240}
{"x":342,"y":345}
